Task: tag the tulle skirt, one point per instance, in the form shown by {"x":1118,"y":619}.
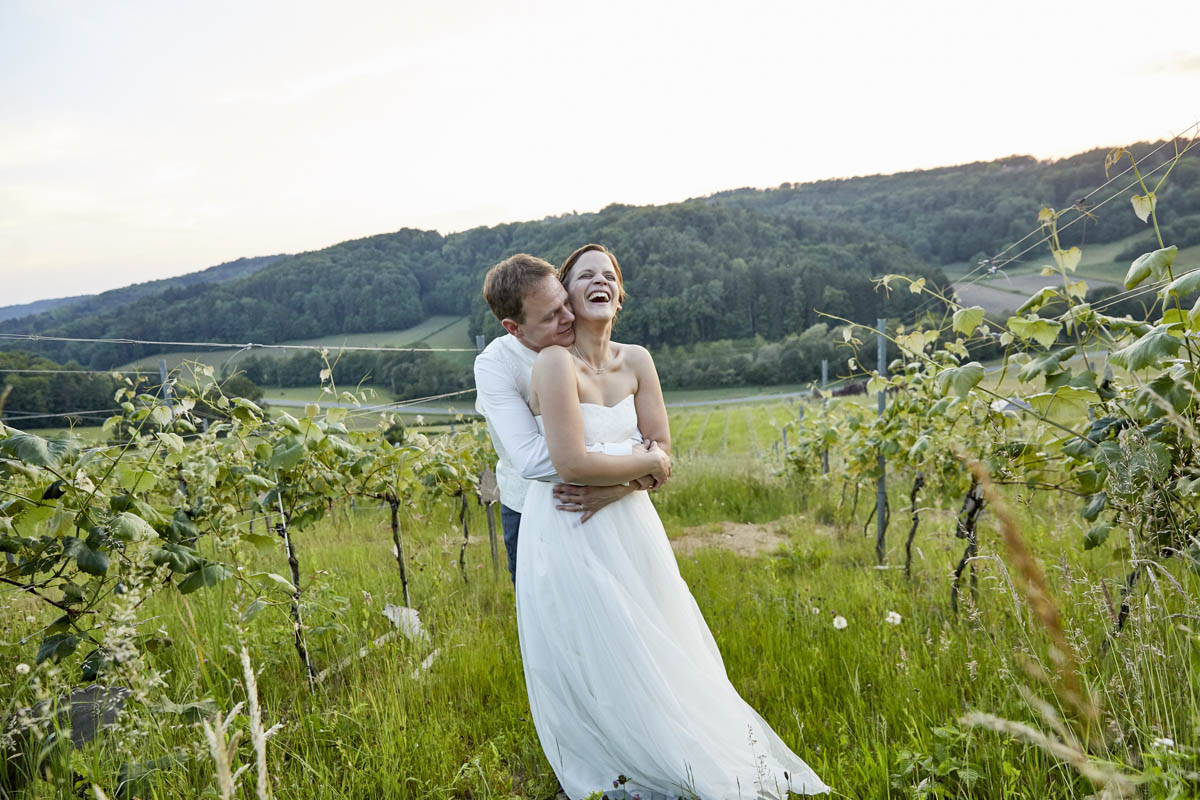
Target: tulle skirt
{"x":624,"y":678}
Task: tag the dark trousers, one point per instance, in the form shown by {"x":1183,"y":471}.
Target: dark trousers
{"x":510,"y":521}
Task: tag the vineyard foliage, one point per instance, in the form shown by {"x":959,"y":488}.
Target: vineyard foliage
{"x":172,"y":504}
{"x":1105,"y":410}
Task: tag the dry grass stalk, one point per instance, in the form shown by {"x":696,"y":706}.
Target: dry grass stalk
{"x":1068,"y":687}
{"x":222,"y":752}
{"x":1117,"y":784}
{"x":257,"y":735}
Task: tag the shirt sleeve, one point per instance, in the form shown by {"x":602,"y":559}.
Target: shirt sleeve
{"x":511,"y":422}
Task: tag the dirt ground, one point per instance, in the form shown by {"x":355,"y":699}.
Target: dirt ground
{"x":742,"y":538}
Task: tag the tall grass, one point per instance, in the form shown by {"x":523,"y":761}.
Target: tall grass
{"x":873,"y":707}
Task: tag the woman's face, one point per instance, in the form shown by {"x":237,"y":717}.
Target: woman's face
{"x":593,"y":287}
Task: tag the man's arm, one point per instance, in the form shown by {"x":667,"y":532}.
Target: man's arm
{"x":510,"y":420}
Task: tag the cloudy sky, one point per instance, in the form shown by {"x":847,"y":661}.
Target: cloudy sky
{"x":140,"y":140}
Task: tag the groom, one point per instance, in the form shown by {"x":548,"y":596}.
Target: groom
{"x":526,"y":296}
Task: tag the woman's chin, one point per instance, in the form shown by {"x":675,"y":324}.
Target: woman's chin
{"x":595,"y":314}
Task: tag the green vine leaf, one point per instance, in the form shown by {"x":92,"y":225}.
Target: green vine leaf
{"x":1143,"y":205}
{"x":1096,"y":536}
{"x":1051,"y":363}
{"x":57,"y":646}
{"x":1066,"y":405}
{"x":1043,"y":296}
{"x":208,"y":575}
{"x":37,"y":451}
{"x":966,"y":320}
{"x":1153,"y":264}
{"x":1094,"y":506}
{"x":1148,"y":351}
{"x":1068,"y":260}
{"x":131,"y":528}
{"x":93,"y":562}
{"x":1042,"y":331}
{"x":1185,"y":284}
{"x":960,"y":379}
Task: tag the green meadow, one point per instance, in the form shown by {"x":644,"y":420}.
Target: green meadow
{"x":875,"y":706}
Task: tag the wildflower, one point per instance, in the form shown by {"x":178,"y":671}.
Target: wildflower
{"x":893,"y":618}
{"x":22,"y":669}
{"x":815,"y":611}
{"x":840,"y":623}
{"x":1164,"y":742}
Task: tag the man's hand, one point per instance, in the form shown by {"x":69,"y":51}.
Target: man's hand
{"x":590,"y":499}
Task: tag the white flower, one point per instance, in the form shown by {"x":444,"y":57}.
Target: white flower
{"x":1161,"y":741}
{"x":840,"y":623}
{"x":22,"y":669}
{"x":816,"y":611}
{"x":893,"y":618}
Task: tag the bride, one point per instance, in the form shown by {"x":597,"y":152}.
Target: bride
{"x":627,"y":688}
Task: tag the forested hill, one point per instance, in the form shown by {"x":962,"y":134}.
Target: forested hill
{"x":969,"y":212}
{"x":68,"y":308}
{"x":695,"y":271}
{"x":739,"y":263}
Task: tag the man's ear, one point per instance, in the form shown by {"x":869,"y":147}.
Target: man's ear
{"x":510,"y":325}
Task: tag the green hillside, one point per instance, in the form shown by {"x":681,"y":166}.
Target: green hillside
{"x":441,"y":330}
{"x":741,"y":264}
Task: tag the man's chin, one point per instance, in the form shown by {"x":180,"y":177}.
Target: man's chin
{"x":565,"y":339}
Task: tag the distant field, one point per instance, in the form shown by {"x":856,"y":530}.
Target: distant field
{"x":731,"y":392}
{"x":437,"y":331}
{"x":748,"y":429}
{"x":1008,"y":288}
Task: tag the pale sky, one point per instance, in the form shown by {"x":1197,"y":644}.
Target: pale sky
{"x":140,"y":140}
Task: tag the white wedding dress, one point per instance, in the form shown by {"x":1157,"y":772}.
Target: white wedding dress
{"x":624,"y":677}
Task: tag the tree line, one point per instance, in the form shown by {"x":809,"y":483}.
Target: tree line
{"x":736,"y":265}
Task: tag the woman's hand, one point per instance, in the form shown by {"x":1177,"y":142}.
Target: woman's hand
{"x":658,"y":465}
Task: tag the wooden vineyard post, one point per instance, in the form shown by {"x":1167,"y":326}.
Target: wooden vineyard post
{"x":462,"y":551}
{"x":297,"y":620}
{"x":966,"y":527}
{"x":394,"y":502}
{"x":489,"y":495}
{"x":825,"y":401}
{"x":164,"y":388}
{"x":881,"y":488}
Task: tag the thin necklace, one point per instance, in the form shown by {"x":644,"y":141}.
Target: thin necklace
{"x":595,"y":370}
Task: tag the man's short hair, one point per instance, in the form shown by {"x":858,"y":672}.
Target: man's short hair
{"x":507,"y":283}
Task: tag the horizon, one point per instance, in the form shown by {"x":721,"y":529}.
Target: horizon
{"x":133,"y":153}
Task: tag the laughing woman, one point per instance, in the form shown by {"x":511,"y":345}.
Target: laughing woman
{"x":625,"y":680}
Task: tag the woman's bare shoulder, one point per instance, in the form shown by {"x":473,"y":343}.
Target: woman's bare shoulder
{"x":554,"y":353}
{"x":636,"y":354}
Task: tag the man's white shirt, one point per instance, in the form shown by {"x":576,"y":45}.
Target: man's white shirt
{"x":502,"y":378}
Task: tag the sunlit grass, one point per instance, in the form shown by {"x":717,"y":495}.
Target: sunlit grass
{"x":861,"y":705}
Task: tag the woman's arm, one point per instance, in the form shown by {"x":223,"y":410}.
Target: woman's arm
{"x":651,"y":408}
{"x":554,"y":384}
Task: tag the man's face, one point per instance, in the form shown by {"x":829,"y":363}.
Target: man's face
{"x":548,"y":317}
